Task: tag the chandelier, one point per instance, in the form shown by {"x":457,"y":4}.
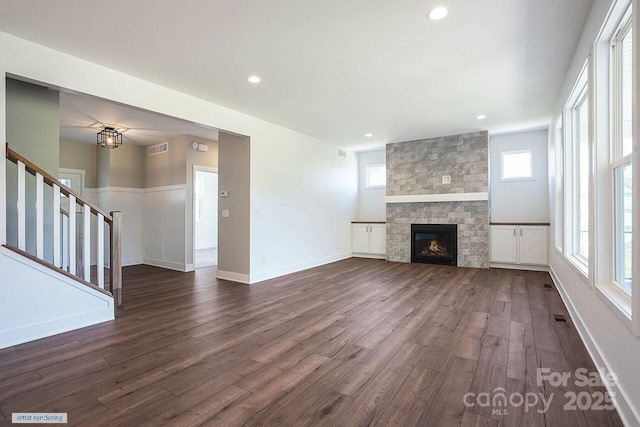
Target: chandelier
{"x":109,"y":137}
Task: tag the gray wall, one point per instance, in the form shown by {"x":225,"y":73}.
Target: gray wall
{"x":103,"y":168}
{"x":168,"y":168}
{"x":234,"y":176}
{"x":416,"y":168}
{"x":371,"y":206}
{"x":33,"y":117}
{"x":126,"y":166}
{"x":520,"y":201}
{"x":79,"y":155}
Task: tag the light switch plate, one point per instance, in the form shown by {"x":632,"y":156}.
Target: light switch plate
{"x":446,"y":179}
{"x":225,"y":213}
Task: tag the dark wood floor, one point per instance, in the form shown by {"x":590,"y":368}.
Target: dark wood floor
{"x":357,"y":342}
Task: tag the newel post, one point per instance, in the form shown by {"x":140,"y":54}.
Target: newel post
{"x":116,"y":261}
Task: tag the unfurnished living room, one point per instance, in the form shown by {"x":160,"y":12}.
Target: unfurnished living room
{"x":341,"y":213}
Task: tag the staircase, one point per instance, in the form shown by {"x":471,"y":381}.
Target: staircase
{"x":70,"y":238}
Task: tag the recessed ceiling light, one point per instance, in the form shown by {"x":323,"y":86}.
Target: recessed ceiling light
{"x":254,"y":79}
{"x":437,"y":13}
{"x":368,"y":135}
{"x":481,"y":117}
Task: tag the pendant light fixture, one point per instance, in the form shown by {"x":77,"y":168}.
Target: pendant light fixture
{"x":109,"y":137}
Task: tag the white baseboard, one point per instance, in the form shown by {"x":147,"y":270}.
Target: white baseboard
{"x":358,"y":255}
{"x":165,"y":264}
{"x":132,"y":261}
{"x":621,"y":401}
{"x":519,"y":266}
{"x":54,"y":327}
{"x":271,"y":274}
{"x":190,"y":267}
{"x":233,"y":277}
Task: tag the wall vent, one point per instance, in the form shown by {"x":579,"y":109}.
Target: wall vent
{"x":158,"y":149}
{"x":548,"y":286}
{"x":342,"y":153}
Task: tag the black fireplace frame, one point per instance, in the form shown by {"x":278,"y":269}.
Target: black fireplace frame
{"x":422,"y":228}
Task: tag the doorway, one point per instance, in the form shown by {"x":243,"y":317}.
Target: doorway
{"x":205,"y":216}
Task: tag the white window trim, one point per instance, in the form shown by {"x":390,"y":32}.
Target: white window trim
{"x":626,"y":308}
{"x":517,"y":178}
{"x":559,"y":149}
{"x":580,"y":88}
{"x":366,"y":182}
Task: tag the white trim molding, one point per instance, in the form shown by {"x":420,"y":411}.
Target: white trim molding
{"x":233,"y":277}
{"x":447,"y":197}
{"x":619,"y":397}
{"x":277,"y":272}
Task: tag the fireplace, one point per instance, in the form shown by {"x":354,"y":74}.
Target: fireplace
{"x":434,"y":243}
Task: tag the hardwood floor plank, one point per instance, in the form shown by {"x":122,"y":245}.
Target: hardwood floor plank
{"x":356,"y":342}
{"x":262,"y":398}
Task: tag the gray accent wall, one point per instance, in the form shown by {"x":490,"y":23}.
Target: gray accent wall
{"x":79,"y":155}
{"x":234,"y":176}
{"x":126,"y":166}
{"x":32,"y":117}
{"x":416,"y":168}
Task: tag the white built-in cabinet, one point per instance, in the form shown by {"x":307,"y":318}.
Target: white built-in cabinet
{"x":369,"y":240}
{"x":519,"y":246}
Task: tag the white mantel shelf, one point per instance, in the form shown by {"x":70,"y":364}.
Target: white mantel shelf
{"x":428,"y":198}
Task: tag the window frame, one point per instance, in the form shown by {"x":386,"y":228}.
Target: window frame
{"x":579,"y":94}
{"x":617,"y":159}
{"x":559,"y":149}
{"x":367,"y":181}
{"x":517,"y":178}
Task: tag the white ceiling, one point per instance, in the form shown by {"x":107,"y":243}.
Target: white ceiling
{"x":333,"y":69}
{"x":82,"y":117}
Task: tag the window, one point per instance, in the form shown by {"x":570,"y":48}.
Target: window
{"x":577,"y":163}
{"x":581,"y":203}
{"x":621,"y":142}
{"x":559,"y":183}
{"x":376,"y":176}
{"x":516,"y":165}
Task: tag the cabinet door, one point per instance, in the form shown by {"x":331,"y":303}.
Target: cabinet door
{"x":533,"y":245}
{"x":359,"y":238}
{"x":378,"y":239}
{"x":504,"y":244}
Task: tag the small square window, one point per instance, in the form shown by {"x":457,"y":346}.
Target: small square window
{"x":516,"y":165}
{"x":376,"y":176}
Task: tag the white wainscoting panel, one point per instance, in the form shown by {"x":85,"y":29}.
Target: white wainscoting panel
{"x":164,"y":227}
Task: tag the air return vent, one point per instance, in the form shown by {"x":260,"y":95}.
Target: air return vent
{"x":158,"y":149}
{"x":559,"y":318}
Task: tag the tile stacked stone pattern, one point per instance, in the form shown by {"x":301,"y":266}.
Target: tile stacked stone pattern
{"x":416,"y":168}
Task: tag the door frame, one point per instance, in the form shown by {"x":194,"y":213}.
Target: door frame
{"x":80,"y":172}
{"x":197,"y":168}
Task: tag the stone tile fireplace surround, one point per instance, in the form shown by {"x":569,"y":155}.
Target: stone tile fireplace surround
{"x":416,"y":194}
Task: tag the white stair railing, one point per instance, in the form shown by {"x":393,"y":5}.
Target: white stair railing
{"x":78,"y":247}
